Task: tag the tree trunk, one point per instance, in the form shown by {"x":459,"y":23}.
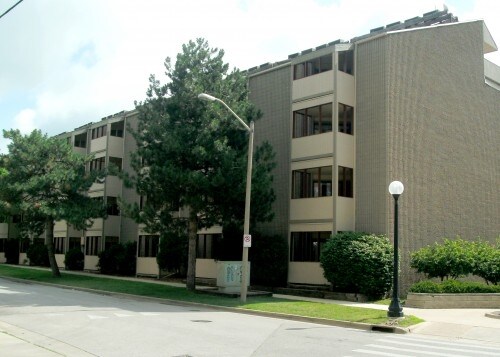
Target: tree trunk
{"x":192,"y":235}
{"x":49,"y":242}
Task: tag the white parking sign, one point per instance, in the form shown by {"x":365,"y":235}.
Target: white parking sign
{"x":247,"y":240}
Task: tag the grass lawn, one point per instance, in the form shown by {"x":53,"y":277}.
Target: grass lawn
{"x":267,"y":304}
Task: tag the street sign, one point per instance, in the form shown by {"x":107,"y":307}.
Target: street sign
{"x":247,"y":241}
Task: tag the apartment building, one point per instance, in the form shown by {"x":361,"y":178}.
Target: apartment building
{"x":413,"y":101}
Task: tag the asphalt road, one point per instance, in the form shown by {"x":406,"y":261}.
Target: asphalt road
{"x":66,"y":322}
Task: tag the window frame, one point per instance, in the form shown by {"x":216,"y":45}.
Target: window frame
{"x":303,"y":127}
{"x":304,"y":185}
{"x":92,"y":245}
{"x":313,"y":66}
{"x":345,"y":187}
{"x":345,"y":124}
{"x":307,"y":246}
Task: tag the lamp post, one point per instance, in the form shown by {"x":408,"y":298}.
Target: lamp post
{"x":246,"y":224}
{"x":396,"y":188}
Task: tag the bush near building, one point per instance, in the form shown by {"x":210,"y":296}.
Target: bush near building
{"x":269,"y":260}
{"x":118,"y":259}
{"x":458,"y":258}
{"x":12,"y":251}
{"x":268,"y":255}
{"x":357,"y":262}
{"x":74,"y":259}
{"x":38,"y":255}
{"x":173,"y":252}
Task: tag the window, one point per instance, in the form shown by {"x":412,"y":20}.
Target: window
{"x":307,"y":246}
{"x":112,"y":206}
{"x":311,"y":121}
{"x":345,"y":181}
{"x":81,"y":140}
{"x":110,"y":241}
{"x":346,"y":62}
{"x":148,"y":246}
{"x":141,"y":202}
{"x":99,"y":132}
{"x":74,"y":242}
{"x":25,"y":244}
{"x":207,"y":244}
{"x":346,"y":119}
{"x":2,"y":244}
{"x":313,"y":182}
{"x":58,"y":245}
{"x":116,"y":129}
{"x":312,"y":67}
{"x":92,"y":245}
{"x":97,"y":164}
{"x":115,"y":163}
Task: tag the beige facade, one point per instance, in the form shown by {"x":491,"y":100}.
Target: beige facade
{"x":426,"y":112}
{"x":110,"y":144}
{"x":428,"y":116}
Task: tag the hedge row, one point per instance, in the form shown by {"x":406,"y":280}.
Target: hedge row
{"x":458,"y":258}
{"x":453,"y":287}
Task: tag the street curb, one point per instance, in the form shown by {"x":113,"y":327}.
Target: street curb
{"x":316,"y":320}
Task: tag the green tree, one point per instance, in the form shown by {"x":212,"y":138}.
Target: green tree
{"x":46,"y":182}
{"x":192,"y":155}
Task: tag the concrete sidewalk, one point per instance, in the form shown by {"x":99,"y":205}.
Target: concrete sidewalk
{"x":475,"y":325}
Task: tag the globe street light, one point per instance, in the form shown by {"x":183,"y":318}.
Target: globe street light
{"x":396,"y":188}
{"x":246,"y":225}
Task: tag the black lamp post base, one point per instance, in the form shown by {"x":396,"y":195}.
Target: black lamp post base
{"x":395,"y":309}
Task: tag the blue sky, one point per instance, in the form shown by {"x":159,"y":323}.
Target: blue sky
{"x":65,"y":63}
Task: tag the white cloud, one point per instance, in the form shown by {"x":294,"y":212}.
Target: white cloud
{"x":79,"y":61}
{"x":25,"y":121}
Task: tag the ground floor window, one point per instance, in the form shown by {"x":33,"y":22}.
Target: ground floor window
{"x":58,"y":245}
{"x":2,"y":245}
{"x":148,"y":246}
{"x":307,"y":246}
{"x":207,"y":245}
{"x":92,"y":245}
{"x":109,"y":241}
{"x":74,"y":242}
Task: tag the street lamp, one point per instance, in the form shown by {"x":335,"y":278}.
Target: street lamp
{"x":246,"y":225}
{"x":396,"y":188}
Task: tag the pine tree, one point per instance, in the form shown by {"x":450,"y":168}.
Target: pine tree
{"x":44,"y":182}
{"x":193,"y":155}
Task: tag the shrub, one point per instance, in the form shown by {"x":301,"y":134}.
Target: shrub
{"x":457,"y":258}
{"x":12,"y":251}
{"x":231,"y":244}
{"x":118,"y":259}
{"x":269,"y":260}
{"x":487,"y":262}
{"x":268,"y":255}
{"x":38,"y":255}
{"x":453,"y":287}
{"x":173,"y":252}
{"x":452,"y":258}
{"x":74,"y":259}
{"x":358,"y":263}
